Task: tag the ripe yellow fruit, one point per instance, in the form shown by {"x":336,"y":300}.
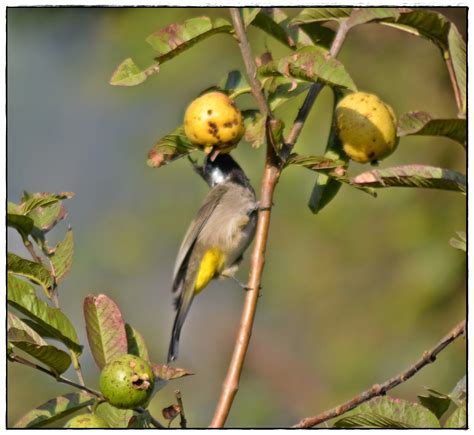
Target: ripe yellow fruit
{"x":213,"y":120}
{"x":367,"y":127}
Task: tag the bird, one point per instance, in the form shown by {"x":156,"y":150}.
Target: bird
{"x":216,"y":239}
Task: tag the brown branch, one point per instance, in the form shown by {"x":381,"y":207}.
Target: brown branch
{"x":271,"y":174}
{"x":454,"y":82}
{"x":380,"y":389}
{"x":231,"y":382}
{"x":313,"y":93}
{"x":249,"y":62}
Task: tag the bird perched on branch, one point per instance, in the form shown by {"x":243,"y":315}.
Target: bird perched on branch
{"x":217,"y":237}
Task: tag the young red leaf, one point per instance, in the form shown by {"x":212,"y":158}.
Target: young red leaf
{"x":105,"y":329}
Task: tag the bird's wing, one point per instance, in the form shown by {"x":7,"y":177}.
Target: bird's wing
{"x":210,"y":203}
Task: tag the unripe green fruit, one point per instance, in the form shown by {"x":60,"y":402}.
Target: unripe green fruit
{"x":127,"y":382}
{"x":213,"y":120}
{"x":367,"y":127}
{"x":86,"y":421}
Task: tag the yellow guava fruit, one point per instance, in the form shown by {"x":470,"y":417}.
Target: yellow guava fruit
{"x":213,"y":120}
{"x":367,"y":127}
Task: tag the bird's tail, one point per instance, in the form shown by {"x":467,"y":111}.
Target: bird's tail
{"x":183,"y":303}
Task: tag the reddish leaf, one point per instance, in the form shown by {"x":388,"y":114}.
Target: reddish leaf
{"x":105,"y":329}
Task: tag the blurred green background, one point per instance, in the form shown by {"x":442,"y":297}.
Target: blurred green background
{"x":350,"y":297}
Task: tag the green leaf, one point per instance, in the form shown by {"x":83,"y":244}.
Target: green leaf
{"x":428,"y":24}
{"x":312,"y":15}
{"x":136,"y":343}
{"x":23,"y":224}
{"x":35,"y":272}
{"x":369,"y":420}
{"x":319,"y":34}
{"x":128,"y":74}
{"x":367,"y":15}
{"x":459,"y":244}
{"x":175,"y":38}
{"x":26,"y":339}
{"x":437,"y":28}
{"x":325,"y":187}
{"x":421,"y":123}
{"x":171,"y":147}
{"x":458,"y":395}
{"x":458,"y":419}
{"x":315,"y":163}
{"x":140,"y":421}
{"x":332,"y":168}
{"x":277,"y":24}
{"x":234,"y":84}
{"x":55,"y":409}
{"x":254,"y":124}
{"x":114,"y":417}
{"x":389,"y":412}
{"x":22,"y":297}
{"x":324,"y":191}
{"x":105,"y":329}
{"x":282,"y":90}
{"x":43,"y":332}
{"x":422,"y":176}
{"x":61,"y":258}
{"x":249,"y":14}
{"x":310,"y":64}
{"x":13,"y":208}
{"x":31,"y":201}
{"x":45,"y":218}
{"x":457,"y":52}
{"x":437,"y":403}
{"x":354,"y":16}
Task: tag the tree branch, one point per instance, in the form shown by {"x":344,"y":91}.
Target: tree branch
{"x":380,"y":389}
{"x":271,"y":174}
{"x":231,"y":382}
{"x":249,"y":62}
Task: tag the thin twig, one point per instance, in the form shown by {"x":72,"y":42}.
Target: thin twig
{"x":249,"y":62}
{"x":31,"y":250}
{"x":380,"y":389}
{"x":313,"y":93}
{"x":21,"y":360}
{"x":182,"y":418}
